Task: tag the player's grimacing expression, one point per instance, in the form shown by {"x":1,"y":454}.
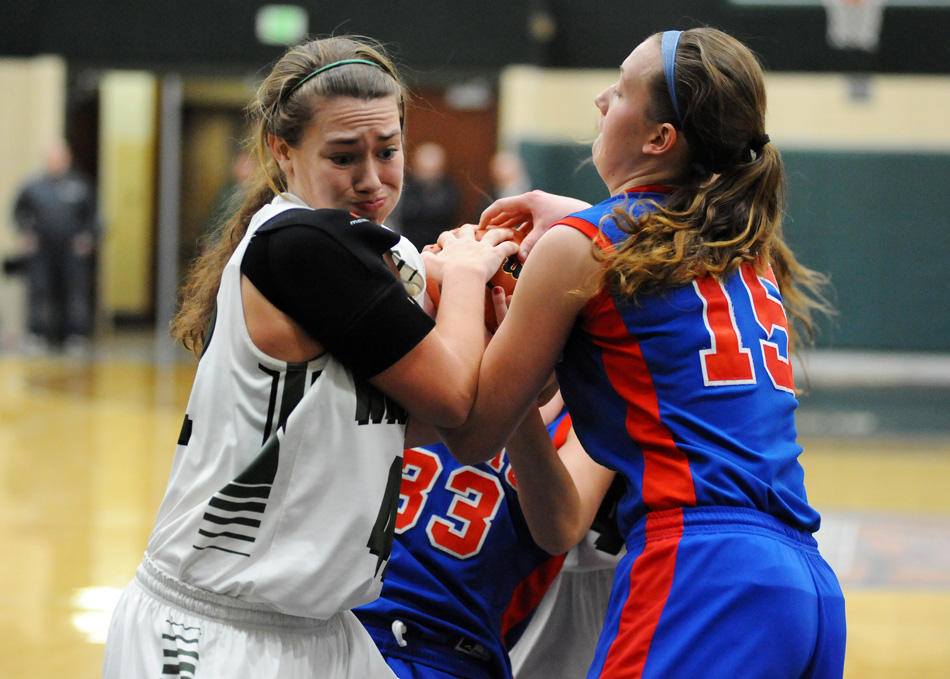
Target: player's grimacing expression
{"x":349,"y":158}
{"x":624,"y":124}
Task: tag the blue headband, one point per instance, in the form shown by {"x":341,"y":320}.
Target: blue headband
{"x":668,"y":49}
{"x":342,"y":62}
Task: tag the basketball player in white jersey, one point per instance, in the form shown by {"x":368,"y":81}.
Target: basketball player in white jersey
{"x":279,"y":512}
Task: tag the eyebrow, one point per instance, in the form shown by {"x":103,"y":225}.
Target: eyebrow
{"x":350,"y":141}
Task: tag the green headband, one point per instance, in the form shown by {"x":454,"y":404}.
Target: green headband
{"x":334,"y":65}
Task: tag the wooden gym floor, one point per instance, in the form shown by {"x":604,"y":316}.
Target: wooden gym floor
{"x":85,"y":447}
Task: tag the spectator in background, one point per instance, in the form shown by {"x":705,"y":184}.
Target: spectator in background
{"x":55,"y":214}
{"x":509,"y":177}
{"x":430,"y":198}
{"x":228,"y":199}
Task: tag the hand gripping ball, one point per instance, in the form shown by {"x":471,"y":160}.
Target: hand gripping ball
{"x":506,"y":278}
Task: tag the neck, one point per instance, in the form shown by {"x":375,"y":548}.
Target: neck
{"x":644,"y":179}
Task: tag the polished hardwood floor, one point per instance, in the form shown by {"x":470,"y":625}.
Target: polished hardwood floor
{"x":85,"y":447}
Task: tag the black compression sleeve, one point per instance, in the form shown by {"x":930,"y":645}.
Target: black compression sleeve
{"x":338,"y":288}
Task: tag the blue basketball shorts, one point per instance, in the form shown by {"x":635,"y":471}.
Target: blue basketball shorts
{"x":721,"y":593}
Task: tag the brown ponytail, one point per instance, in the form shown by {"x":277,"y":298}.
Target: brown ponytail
{"x":730,"y":209}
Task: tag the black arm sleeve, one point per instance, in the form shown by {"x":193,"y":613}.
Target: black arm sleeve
{"x":335,"y":284}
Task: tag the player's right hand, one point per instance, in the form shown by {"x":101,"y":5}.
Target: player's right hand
{"x":537,"y":210}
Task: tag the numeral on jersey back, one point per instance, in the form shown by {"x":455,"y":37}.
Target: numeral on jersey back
{"x":727,"y":361}
{"x":477,"y":496}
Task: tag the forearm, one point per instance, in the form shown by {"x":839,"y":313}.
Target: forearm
{"x":548,"y":495}
{"x":489,"y":424}
{"x":462,"y":331}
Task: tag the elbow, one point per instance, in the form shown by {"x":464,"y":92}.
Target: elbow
{"x":558,"y":540}
{"x":455,"y":406}
{"x":450,"y":413}
{"x":455,"y":415}
{"x":470,"y":456}
{"x":466,"y":449}
{"x":553,"y":548}
{"x":441,"y":407}
{"x":557,"y":546}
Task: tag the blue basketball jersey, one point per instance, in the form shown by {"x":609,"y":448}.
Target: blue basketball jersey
{"x":688,"y":393}
{"x":465,"y":573}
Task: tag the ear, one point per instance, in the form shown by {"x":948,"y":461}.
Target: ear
{"x":281,"y":151}
{"x":662,"y":140}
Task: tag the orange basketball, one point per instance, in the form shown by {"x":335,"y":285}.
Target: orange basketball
{"x":506,"y":277}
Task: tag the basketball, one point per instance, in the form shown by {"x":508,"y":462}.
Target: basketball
{"x":506,"y":278}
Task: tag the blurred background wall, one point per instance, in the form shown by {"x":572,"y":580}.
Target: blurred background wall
{"x":150,"y":95}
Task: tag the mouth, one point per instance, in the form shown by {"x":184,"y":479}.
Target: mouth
{"x":370,"y":205}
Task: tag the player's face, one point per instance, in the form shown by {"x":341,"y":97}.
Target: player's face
{"x":350,"y":157}
{"x":624,"y":124}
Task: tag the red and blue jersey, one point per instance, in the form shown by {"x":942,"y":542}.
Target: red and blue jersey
{"x":687,"y":393}
{"x":465,"y":574}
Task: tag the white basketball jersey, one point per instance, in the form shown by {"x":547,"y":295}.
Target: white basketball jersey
{"x":285,"y":482}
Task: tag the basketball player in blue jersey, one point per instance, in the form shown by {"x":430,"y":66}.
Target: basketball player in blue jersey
{"x":465,"y":573}
{"x":665,"y":312}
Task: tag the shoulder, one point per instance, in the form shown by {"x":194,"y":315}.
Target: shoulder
{"x":564,"y":255}
{"x":592,"y":220}
{"x":337,"y":225}
{"x":295,"y":234}
{"x":561,"y":266}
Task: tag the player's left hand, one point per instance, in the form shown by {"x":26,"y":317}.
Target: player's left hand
{"x":460,"y":244}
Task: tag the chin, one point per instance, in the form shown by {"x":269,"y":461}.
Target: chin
{"x":381,"y":216}
{"x":377,"y":215}
{"x":597,"y":167}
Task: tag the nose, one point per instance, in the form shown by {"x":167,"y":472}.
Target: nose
{"x":600,"y":101}
{"x":368,"y":179}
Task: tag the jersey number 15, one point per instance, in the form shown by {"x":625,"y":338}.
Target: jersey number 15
{"x":728,"y":361}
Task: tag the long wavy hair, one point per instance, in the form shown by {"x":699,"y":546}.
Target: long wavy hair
{"x":286,"y":103}
{"x":729,"y":210}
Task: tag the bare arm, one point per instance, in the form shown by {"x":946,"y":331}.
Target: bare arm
{"x":559,"y":490}
{"x":554,"y":285}
{"x":437,"y":380}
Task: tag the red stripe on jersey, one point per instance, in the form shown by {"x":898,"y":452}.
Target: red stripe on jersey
{"x":592,"y":231}
{"x":651,"y":578}
{"x":651,"y":188}
{"x":530,"y":591}
{"x":561,"y":431}
{"x":667,"y":480}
